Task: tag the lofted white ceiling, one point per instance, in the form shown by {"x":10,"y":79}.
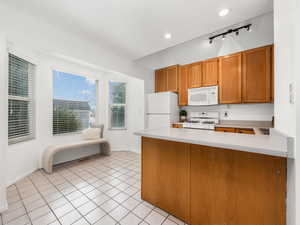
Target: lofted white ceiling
{"x":137,"y":27}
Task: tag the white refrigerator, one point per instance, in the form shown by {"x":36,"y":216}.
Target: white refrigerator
{"x":162,"y":109}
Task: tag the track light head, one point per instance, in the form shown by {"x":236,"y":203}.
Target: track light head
{"x":237,"y":32}
{"x":210,"y":41}
{"x":249,"y":28}
{"x":223,"y":37}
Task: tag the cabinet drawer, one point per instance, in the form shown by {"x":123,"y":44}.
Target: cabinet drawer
{"x":245,"y":131}
{"x":225,"y":129}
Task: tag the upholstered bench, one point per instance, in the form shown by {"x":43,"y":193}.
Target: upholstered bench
{"x":48,"y":154}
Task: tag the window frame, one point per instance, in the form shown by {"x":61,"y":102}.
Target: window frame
{"x":30,"y":99}
{"x":73,"y":72}
{"x":117,"y":104}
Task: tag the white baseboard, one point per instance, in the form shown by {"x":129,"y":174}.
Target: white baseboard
{"x":4,"y":207}
{"x":10,"y":182}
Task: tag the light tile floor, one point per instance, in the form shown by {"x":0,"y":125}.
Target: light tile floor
{"x":100,"y":191}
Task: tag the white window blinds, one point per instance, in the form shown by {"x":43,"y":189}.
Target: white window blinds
{"x":74,"y":102}
{"x":117,"y":105}
{"x":20,"y":100}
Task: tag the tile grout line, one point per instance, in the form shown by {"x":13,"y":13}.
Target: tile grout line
{"x":113,"y":172}
{"x":23,"y":206}
{"x":47,"y":203}
{"x":67,"y":200}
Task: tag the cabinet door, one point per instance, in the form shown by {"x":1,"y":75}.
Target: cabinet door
{"x":230,"y":79}
{"x":226,"y":129}
{"x":210,"y":72}
{"x":257,"y":75}
{"x":183,"y":85}
{"x":234,"y":188}
{"x":195,"y":75}
{"x":272,"y":74}
{"x":165,"y":175}
{"x":160,"y":80}
{"x":245,"y":131}
{"x":172,"y":78}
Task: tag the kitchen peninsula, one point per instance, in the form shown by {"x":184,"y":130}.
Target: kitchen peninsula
{"x":215,"y":178}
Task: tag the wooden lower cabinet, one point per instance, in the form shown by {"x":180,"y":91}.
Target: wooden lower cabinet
{"x":211,"y":186}
{"x":226,"y":129}
{"x":165,"y":176}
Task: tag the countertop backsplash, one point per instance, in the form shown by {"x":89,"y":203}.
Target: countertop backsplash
{"x":253,"y":112}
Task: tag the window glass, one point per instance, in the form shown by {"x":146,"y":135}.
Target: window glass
{"x":20,"y":99}
{"x":74,"y":102}
{"x":117,"y":106}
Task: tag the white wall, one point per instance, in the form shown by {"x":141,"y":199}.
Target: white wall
{"x":253,"y":112}
{"x":3,"y":130}
{"x":286,"y":27}
{"x":200,"y":49}
{"x":51,"y":47}
{"x":23,"y":158}
{"x":284,"y":71}
{"x":26,"y":30}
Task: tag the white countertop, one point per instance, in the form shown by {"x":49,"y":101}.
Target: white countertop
{"x":274,"y":144}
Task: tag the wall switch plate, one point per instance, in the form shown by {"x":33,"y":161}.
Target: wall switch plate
{"x":292,"y":93}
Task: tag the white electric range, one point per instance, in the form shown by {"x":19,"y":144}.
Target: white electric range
{"x":202,"y":120}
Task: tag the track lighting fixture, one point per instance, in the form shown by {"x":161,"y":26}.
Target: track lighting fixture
{"x":235,"y":30}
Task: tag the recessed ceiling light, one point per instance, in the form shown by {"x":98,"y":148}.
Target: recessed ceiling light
{"x":168,"y":36}
{"x":223,"y":12}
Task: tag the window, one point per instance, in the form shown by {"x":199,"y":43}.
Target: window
{"x":20,"y":99}
{"x":117,"y":105}
{"x":74,"y":102}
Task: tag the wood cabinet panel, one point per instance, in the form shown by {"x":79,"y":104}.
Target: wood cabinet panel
{"x":234,"y":188}
{"x":272,"y":74}
{"x":230,"y":79}
{"x":165,"y":176}
{"x":245,"y":131}
{"x":257,"y":75}
{"x":235,"y":130}
{"x":225,"y":129}
{"x":195,"y":75}
{"x":210,"y":72}
{"x":172,"y":78}
{"x":183,"y":86}
{"x":160,"y":80}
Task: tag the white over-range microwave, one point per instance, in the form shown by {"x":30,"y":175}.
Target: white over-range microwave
{"x":203,"y":96}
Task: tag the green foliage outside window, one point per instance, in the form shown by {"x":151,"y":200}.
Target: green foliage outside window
{"x":65,"y":121}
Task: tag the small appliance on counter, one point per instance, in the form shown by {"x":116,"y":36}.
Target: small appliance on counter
{"x":202,"y":120}
{"x":203,"y":96}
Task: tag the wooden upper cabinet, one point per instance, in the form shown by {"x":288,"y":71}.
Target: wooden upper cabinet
{"x":230,"y":79}
{"x":183,"y":85}
{"x":166,"y":79}
{"x":210,"y":72}
{"x":172,"y":78}
{"x":195,"y":75}
{"x":160,"y":80}
{"x":272,"y":73}
{"x":257,"y":75}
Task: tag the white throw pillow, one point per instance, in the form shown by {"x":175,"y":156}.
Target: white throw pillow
{"x":91,"y":134}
